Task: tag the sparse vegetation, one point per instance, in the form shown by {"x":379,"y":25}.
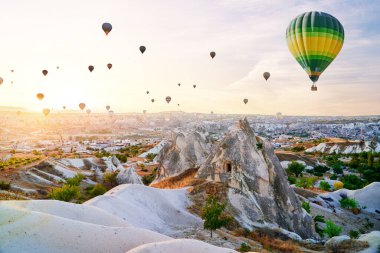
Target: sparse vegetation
{"x":295,"y":168}
{"x":150,"y":157}
{"x":97,"y":190}
{"x":331,"y":229}
{"x":5,"y":185}
{"x":338,"y":185}
{"x":354,"y":234}
{"x":213,"y":214}
{"x":15,"y":162}
{"x":148,"y":179}
{"x":65,"y":193}
{"x":298,"y":149}
{"x":306,"y":206}
{"x":348,"y":203}
{"x":305,"y":182}
{"x":244,"y":247}
{"x":324,"y":186}
{"x":292,"y":180}
{"x":110,"y":180}
{"x":76,"y":180}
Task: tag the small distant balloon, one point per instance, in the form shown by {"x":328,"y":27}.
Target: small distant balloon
{"x":179,"y":84}
{"x":108,"y":107}
{"x":194,"y":86}
{"x":109,"y":65}
{"x":57,"y":67}
{"x":1,"y":80}
{"x":144,"y":111}
{"x":147,"y":92}
{"x":245,"y":101}
{"x":82,"y":106}
{"x":178,"y":104}
{"x":88,"y":111}
{"x":44,"y":72}
{"x":64,"y":107}
{"x":212,"y":112}
{"x":46,"y":111}
{"x":91,"y":68}
{"x":12,"y":70}
{"x":11,"y":82}
{"x":152,"y":100}
{"x":40,"y":96}
{"x":107,"y":27}
{"x":142,"y":49}
{"x":212,"y":54}
{"x":168,"y":99}
{"x":266,"y":75}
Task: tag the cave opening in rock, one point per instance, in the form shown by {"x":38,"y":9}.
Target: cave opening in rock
{"x":228,"y":167}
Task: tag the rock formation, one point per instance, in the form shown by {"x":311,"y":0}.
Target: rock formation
{"x":259,"y":192}
{"x":188,"y":150}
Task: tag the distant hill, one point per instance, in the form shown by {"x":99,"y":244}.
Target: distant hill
{"x":11,"y":108}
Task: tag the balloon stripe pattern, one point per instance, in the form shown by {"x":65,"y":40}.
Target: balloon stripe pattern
{"x":315,"y":39}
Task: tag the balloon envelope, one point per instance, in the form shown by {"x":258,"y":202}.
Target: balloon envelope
{"x":91,"y":68}
{"x":45,"y":72}
{"x":88,"y":111}
{"x":194,"y":86}
{"x":266,"y":75}
{"x":212,"y":54}
{"x":152,"y":100}
{"x":40,"y":96}
{"x":168,"y":99}
{"x":315,"y":39}
{"x":46,"y":111}
{"x":82,"y":106}
{"x":64,"y":107}
{"x":245,"y":101}
{"x":179,"y":84}
{"x":1,"y":80}
{"x":108,"y":107}
{"x":142,"y":49}
{"x":109,"y":65}
{"x":107,"y":27}
{"x":147,"y":92}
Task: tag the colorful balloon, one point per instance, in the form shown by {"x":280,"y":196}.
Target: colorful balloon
{"x":1,"y":80}
{"x":315,"y":39}
{"x":40,"y":96}
{"x":46,"y":111}
{"x":82,"y":106}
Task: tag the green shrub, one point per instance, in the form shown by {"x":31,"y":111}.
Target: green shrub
{"x":244,"y":247}
{"x":354,"y":234}
{"x":65,"y":193}
{"x":306,"y":206}
{"x":305,"y":182}
{"x":352,"y":182}
{"x":76,"y":180}
{"x":259,"y":146}
{"x":292,"y":180}
{"x":319,"y":218}
{"x":348,"y":203}
{"x":4,"y":185}
{"x":324,"y":186}
{"x":331,"y":229}
{"x":298,"y":148}
{"x":109,"y":179}
{"x":97,"y":190}
{"x":296,"y":168}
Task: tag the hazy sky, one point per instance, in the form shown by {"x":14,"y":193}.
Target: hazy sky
{"x":248,"y":37}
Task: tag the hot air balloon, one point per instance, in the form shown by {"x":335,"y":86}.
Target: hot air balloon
{"x":107,"y":27}
{"x":108,"y":107}
{"x":82,"y":106}
{"x":315,"y":39}
{"x":1,"y":80}
{"x":91,"y":68}
{"x":245,"y":101}
{"x":40,"y":96}
{"x":147,"y":92}
{"x":88,"y":111}
{"x":152,"y":100}
{"x":212,"y":54}
{"x":12,"y":70}
{"x":45,"y":72}
{"x":142,"y":49}
{"x":57,"y":67}
{"x":179,"y":84}
{"x":212,"y":112}
{"x":144,"y":111}
{"x":64,"y":107}
{"x":46,"y":111}
{"x":11,"y":82}
{"x":109,"y":65}
{"x":266,"y":75}
{"x":194,"y":86}
{"x":177,"y":104}
{"x":168,"y":99}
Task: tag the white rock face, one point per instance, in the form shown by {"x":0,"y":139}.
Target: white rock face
{"x":128,"y":176}
{"x":259,"y":192}
{"x":104,"y":224}
{"x":342,"y":148}
{"x":188,"y":150}
{"x":373,"y":240}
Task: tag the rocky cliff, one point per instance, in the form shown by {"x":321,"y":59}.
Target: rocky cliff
{"x":259,"y":192}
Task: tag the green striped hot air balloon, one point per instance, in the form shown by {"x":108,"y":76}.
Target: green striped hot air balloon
{"x":315,"y":39}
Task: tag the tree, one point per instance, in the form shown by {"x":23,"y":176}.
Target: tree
{"x":296,"y":168}
{"x":213,"y":214}
{"x":370,"y":160}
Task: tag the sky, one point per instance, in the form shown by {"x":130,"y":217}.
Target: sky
{"x":248,"y":37}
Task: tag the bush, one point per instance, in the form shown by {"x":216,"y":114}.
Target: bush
{"x":65,"y":193}
{"x":324,"y":186}
{"x":292,"y":180}
{"x":296,"y":168}
{"x":76,"y":180}
{"x":331,"y":229}
{"x":354,"y":234}
{"x":319,"y":218}
{"x":4,"y":185}
{"x":348,"y":203}
{"x":97,"y":190}
{"x":109,"y":179}
{"x":259,"y":146}
{"x":305,"y":182}
{"x":352,"y":182}
{"x":244,"y":247}
{"x":298,"y":148}
{"x":306,"y":206}
{"x":338,"y":185}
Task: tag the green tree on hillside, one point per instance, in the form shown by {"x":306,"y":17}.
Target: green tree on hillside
{"x":296,"y":168}
{"x":213,"y":214}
